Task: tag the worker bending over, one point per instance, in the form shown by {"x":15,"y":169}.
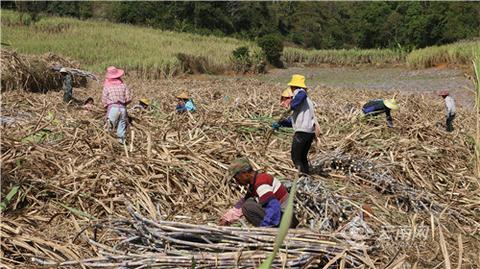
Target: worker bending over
{"x":265,"y":201}
{"x":379,"y":106}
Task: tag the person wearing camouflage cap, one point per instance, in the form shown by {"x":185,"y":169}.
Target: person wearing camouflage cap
{"x":265,"y":200}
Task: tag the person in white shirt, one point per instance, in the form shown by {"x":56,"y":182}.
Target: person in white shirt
{"x":449,"y":109}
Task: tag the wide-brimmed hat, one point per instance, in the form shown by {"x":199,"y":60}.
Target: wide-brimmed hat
{"x":443,"y":93}
{"x":298,"y":81}
{"x":183,"y":95}
{"x":113,"y":72}
{"x":287,"y":93}
{"x":239,"y":165}
{"x":391,"y":103}
{"x":145,"y":101}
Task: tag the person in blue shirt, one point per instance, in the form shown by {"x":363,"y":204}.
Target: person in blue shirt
{"x":285,"y":100}
{"x":379,"y":106}
{"x":185,"y":103}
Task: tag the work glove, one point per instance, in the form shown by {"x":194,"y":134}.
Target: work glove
{"x":275,"y":126}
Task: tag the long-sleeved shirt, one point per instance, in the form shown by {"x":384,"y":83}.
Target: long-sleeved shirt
{"x":67,"y":88}
{"x":303,"y":116}
{"x":271,"y":194}
{"x":376,"y":107}
{"x":188,"y":106}
{"x":449,"y":106}
{"x":116,"y":94}
{"x":285,"y":122}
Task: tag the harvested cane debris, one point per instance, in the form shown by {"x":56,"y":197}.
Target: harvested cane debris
{"x":414,"y":177}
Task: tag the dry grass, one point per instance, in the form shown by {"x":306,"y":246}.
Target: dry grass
{"x":77,"y":176}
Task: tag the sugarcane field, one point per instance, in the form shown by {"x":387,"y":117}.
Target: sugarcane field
{"x":126,"y":144}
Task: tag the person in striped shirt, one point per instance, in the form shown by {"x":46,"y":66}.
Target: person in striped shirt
{"x":266,"y":197}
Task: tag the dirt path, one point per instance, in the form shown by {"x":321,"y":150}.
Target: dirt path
{"x":397,"y":78}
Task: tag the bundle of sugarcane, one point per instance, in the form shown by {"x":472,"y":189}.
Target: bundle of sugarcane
{"x":142,"y":242}
{"x":34,"y":73}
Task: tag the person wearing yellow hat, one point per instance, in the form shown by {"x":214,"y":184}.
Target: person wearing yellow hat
{"x":285,"y":100}
{"x":449,"y":109}
{"x":185,"y":103}
{"x":265,"y":200}
{"x":143,"y":104}
{"x":304,"y":123}
{"x":379,"y":106}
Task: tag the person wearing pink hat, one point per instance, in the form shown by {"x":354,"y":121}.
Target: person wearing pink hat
{"x":115,"y":99}
{"x":449,"y":109}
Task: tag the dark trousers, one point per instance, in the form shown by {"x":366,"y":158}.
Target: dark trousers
{"x":254,"y":213}
{"x":300,"y":146}
{"x":450,"y":119}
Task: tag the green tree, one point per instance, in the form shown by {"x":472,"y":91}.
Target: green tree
{"x":272,"y":46}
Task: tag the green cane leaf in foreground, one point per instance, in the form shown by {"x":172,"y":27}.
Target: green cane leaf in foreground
{"x":283,"y":229}
{"x":9,"y":197}
{"x":77,"y":212}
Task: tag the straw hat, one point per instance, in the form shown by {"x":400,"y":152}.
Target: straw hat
{"x":113,"y":72}
{"x":145,"y":101}
{"x":183,"y":95}
{"x":287,"y":93}
{"x":391,"y":103}
{"x":443,"y":93}
{"x":298,"y":81}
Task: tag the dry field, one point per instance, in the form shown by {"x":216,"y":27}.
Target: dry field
{"x":413,"y":184}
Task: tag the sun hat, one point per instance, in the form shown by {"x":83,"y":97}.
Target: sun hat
{"x":443,"y":93}
{"x":239,"y":165}
{"x":391,"y":103}
{"x":183,"y":95}
{"x":298,"y":81}
{"x":113,"y":72}
{"x":145,"y":101}
{"x":63,"y":70}
{"x":287,"y":93}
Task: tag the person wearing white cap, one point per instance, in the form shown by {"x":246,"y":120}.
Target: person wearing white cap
{"x":379,"y":106}
{"x":449,"y":109}
{"x":68,"y":74}
{"x":115,"y":98}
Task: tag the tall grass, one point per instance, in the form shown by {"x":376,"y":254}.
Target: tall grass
{"x":460,"y":53}
{"x":343,"y":56}
{"x":98,"y":44}
{"x":476,"y":69}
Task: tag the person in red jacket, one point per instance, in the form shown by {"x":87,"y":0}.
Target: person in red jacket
{"x":265,"y":200}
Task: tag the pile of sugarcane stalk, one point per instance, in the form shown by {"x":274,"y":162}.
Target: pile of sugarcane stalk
{"x":145,"y":242}
{"x":34,"y":73}
{"x":173,"y":167}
